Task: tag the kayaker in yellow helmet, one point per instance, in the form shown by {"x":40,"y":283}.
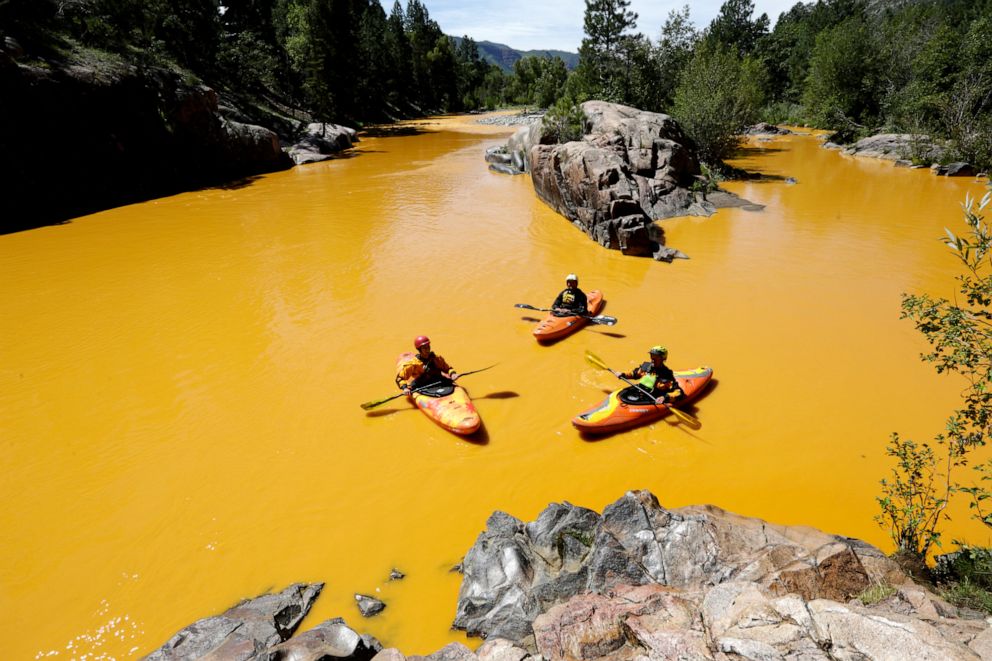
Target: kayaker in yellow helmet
{"x":571,"y":300}
{"x":424,"y":369}
{"x":656,"y":377}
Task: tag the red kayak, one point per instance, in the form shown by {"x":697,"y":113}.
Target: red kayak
{"x":622,"y":409}
{"x":554,"y":328}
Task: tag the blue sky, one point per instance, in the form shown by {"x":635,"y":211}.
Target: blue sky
{"x":557,"y":24}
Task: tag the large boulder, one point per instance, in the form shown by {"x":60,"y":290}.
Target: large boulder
{"x":245,"y":630}
{"x":329,"y":640}
{"x":516,"y":571}
{"x":631,"y":168}
{"x":894,"y":147}
{"x":319,"y":142}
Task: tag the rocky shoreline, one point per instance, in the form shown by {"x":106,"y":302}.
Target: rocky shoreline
{"x":638,"y":581}
{"x":131,"y":135}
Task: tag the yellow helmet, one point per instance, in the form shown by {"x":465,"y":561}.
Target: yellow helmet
{"x":658,"y":350}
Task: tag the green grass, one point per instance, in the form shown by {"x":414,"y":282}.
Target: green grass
{"x":875,"y":593}
{"x":968,"y":595}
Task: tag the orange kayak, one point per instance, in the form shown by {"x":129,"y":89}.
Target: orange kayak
{"x":618,"y":412}
{"x":448,"y":405}
{"x":554,"y":328}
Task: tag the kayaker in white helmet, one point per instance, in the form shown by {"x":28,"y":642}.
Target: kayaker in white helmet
{"x":655,"y":377}
{"x":571,"y":300}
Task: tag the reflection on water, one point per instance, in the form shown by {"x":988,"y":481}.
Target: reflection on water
{"x":180,"y":379}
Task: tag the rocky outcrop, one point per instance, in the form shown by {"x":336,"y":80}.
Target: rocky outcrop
{"x":320,"y":142}
{"x":631,"y":168}
{"x":893,"y":147}
{"x":637,"y":583}
{"x":244,"y":631}
{"x":91,"y":137}
{"x":764,"y":128}
{"x":331,"y":639}
{"x":697,"y":583}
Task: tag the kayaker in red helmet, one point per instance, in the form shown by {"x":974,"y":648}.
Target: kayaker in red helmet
{"x":655,"y":377}
{"x":426,"y":368}
{"x":571,"y":300}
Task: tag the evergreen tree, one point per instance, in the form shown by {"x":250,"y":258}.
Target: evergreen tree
{"x":603,"y":67}
{"x":675,"y":47}
{"x":399,"y":56}
{"x":734,"y":28}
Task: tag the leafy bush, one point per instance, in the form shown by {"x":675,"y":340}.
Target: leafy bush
{"x":564,"y":121}
{"x":960,"y":336}
{"x":717,"y":97}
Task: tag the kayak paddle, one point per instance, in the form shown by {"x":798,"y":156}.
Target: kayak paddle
{"x":377,"y":402}
{"x":600,"y":319}
{"x":596,"y":361}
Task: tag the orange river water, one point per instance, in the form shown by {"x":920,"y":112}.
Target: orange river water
{"x":180,"y":379}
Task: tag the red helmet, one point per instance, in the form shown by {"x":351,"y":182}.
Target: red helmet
{"x":420,"y":341}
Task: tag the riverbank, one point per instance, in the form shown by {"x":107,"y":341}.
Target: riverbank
{"x":639,"y":580}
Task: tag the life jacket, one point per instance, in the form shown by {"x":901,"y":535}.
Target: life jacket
{"x":649,"y":377}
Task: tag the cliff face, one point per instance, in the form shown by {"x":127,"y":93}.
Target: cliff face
{"x":77,"y":139}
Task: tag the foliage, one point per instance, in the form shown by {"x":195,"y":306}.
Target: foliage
{"x":675,"y":47}
{"x":718,"y":95}
{"x":967,"y":577}
{"x":875,"y":593}
{"x":565,"y":121}
{"x":914,"y":501}
{"x":841,"y":88}
{"x":734,"y":28}
{"x":602,"y":69}
{"x":959,"y":333}
{"x":968,"y":595}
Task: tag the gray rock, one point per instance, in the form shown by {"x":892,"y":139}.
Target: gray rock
{"x":396,"y":575}
{"x":504,"y":169}
{"x":631,"y":168}
{"x":331,"y":639}
{"x":320,"y":142}
{"x":450,"y":652}
{"x":500,"y":649}
{"x":959,"y":169}
{"x":515,"y":571}
{"x":247,"y":629}
{"x":368,"y":605}
{"x":764,"y":128}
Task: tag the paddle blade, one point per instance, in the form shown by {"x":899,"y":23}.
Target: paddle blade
{"x":603,"y":320}
{"x":595,"y":360}
{"x":685,"y":417}
{"x":525,"y":306}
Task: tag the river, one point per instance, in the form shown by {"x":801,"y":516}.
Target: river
{"x":180,"y":380}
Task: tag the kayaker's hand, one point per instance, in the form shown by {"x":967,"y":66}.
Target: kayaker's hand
{"x":406,"y":390}
{"x":454,"y":376}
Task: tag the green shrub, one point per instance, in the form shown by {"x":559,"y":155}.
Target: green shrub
{"x":564,"y":121}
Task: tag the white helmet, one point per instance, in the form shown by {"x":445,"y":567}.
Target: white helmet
{"x":571,"y":276}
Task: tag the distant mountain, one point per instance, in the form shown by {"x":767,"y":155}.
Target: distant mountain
{"x":504,"y":56}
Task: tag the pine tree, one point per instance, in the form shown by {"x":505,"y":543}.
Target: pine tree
{"x":602,"y":64}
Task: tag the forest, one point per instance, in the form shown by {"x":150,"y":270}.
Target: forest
{"x":855,"y":66}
